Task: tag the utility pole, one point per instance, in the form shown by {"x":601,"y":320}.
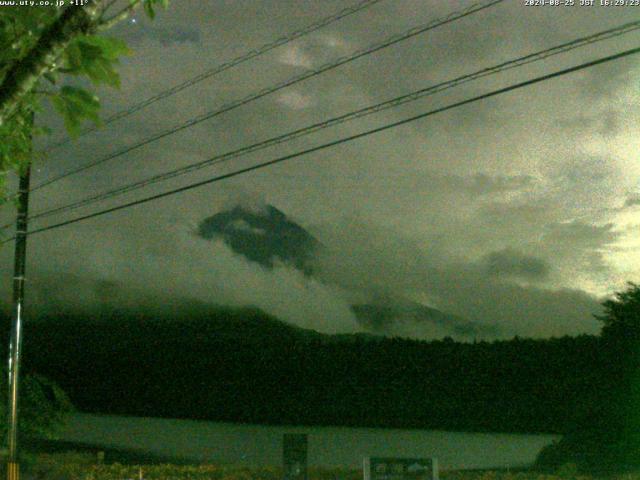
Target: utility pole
{"x":15,"y":343}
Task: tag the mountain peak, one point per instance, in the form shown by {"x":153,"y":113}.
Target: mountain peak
{"x":262,"y":235}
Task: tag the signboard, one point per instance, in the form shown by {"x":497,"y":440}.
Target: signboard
{"x":294,"y":456}
{"x":377,"y":468}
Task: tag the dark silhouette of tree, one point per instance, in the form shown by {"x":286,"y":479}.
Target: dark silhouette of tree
{"x":607,"y":435}
{"x":621,"y":318}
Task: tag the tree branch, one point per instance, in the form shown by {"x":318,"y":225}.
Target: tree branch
{"x":44,"y":92}
{"x":118,"y":17}
{"x":23,"y":75}
{"x":106,"y":8}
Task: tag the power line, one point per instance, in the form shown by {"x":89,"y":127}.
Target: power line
{"x":401,"y":100}
{"x":287,"y":83}
{"x":345,"y":12}
{"x":340,"y":141}
{"x":269,"y":90}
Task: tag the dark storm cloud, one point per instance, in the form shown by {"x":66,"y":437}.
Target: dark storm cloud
{"x":512,"y":263}
{"x":531,"y":178}
{"x":580,"y":235}
{"x":632,"y":201}
{"x":165,"y":35}
{"x":436,"y":184}
{"x":68,"y":292}
{"x":486,"y":184}
{"x":536,"y":311}
{"x":378,"y":260}
{"x":588,"y":180}
{"x":607,"y":123}
{"x":587,"y":171}
{"x":579,"y":248}
{"x":176,"y":35}
{"x":606,"y":83}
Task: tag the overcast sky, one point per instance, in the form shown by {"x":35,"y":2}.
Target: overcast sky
{"x":522,"y":210}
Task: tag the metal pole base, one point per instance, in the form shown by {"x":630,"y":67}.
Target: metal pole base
{"x":13,"y":471}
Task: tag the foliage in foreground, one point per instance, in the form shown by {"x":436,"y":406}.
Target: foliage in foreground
{"x":611,"y":435}
{"x":81,"y":467}
{"x":42,"y":406}
{"x":49,"y":52}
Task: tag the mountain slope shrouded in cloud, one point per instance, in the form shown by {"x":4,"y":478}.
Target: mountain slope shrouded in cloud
{"x":466,"y":212}
{"x":401,"y":317}
{"x":265,"y":235}
{"x":337,"y":276}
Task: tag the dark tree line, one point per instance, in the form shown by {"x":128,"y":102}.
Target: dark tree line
{"x":244,"y":366}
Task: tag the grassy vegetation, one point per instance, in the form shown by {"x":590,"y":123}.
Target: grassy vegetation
{"x":83,"y":466}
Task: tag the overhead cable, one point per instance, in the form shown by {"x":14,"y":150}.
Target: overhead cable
{"x":279,"y":86}
{"x":340,"y":141}
{"x":360,"y":113}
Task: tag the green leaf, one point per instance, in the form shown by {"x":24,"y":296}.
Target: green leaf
{"x":50,"y":77}
{"x":98,"y":68}
{"x":111,"y":48}
{"x":28,"y":19}
{"x":73,"y":58}
{"x":151,"y":4}
{"x":96,"y":58}
{"x":15,"y":147}
{"x":75,"y":105}
{"x":148,"y":8}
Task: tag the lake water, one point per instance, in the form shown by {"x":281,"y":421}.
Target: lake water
{"x":258,"y":445}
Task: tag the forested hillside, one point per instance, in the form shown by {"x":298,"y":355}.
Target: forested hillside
{"x":243,"y":366}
